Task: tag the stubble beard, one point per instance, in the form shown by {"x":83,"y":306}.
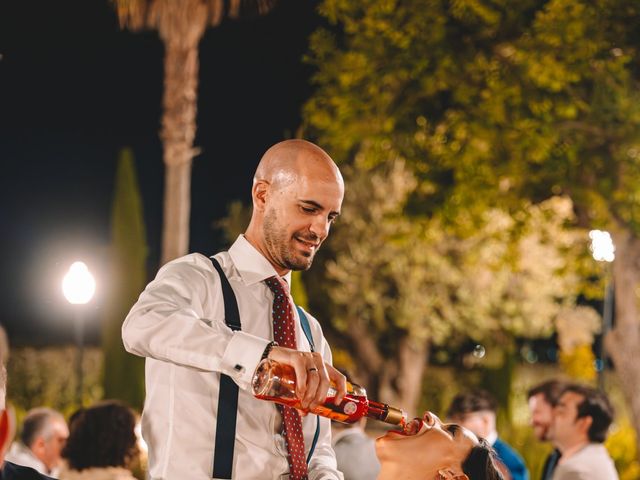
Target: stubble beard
{"x":280,"y":247}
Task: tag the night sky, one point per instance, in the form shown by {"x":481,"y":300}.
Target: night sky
{"x":74,"y":90}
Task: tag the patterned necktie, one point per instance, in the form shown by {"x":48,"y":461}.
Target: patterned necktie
{"x":284,"y":333}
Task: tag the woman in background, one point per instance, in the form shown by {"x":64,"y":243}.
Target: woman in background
{"x":102,"y":443}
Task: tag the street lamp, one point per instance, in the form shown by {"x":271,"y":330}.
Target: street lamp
{"x":603,"y":250}
{"x":78,"y":287}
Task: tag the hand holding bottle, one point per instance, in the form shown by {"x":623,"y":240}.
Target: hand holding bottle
{"x":314,"y":377}
{"x":276,"y":382}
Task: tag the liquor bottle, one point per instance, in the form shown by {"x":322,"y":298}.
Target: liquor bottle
{"x":276,"y":382}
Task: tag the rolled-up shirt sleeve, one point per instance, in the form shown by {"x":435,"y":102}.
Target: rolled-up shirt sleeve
{"x":169,"y":323}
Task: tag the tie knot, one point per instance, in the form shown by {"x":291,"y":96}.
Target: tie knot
{"x":277,"y":285}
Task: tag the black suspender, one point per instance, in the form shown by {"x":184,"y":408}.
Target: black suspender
{"x":228,"y":394}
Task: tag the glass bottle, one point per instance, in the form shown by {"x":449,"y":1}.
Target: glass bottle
{"x":276,"y":382}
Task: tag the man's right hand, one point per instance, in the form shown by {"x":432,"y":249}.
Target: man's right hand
{"x":313,"y":376}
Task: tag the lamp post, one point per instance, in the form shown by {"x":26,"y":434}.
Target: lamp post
{"x":603,"y":250}
{"x":78,"y":287}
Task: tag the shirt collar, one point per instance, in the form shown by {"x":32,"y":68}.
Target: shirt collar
{"x":492,"y":437}
{"x":251,"y":264}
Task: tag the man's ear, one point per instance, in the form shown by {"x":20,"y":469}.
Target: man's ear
{"x":451,"y":474}
{"x":259,"y":194}
{"x":584,"y":423}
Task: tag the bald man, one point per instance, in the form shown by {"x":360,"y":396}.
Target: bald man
{"x":196,"y":358}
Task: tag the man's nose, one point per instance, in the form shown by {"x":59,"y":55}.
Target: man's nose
{"x":320,"y":227}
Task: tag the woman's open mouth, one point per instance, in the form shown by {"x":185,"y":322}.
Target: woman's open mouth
{"x":416,"y":426}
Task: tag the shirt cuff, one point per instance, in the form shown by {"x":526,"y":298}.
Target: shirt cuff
{"x":242,"y":356}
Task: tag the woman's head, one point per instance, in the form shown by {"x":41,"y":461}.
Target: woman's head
{"x":101,"y":436}
{"x":431,"y":450}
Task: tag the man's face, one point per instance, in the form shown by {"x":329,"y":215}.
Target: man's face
{"x":427,"y":446}
{"x":51,"y":449}
{"x":297,"y":220}
{"x":541,"y":416}
{"x":567,"y":429}
{"x":479,"y":423}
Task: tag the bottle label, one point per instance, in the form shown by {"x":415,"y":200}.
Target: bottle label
{"x":350,"y":408}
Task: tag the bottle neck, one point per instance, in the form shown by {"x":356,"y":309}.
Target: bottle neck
{"x":386,"y":413}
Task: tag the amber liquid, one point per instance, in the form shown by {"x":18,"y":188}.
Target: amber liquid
{"x":276,"y":383}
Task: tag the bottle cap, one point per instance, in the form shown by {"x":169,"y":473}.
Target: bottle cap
{"x":395,"y":416}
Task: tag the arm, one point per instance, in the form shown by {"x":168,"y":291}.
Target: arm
{"x":179,"y":318}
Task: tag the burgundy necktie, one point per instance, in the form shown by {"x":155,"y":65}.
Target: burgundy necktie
{"x":284,"y":332}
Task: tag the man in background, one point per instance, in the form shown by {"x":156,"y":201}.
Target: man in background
{"x":476,"y":411}
{"x":44,"y":434}
{"x":8,"y":470}
{"x":581,"y":421}
{"x":542,"y":400}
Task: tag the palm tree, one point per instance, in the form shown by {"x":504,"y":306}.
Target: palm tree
{"x":180,"y":24}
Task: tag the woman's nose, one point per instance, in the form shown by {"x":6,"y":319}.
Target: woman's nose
{"x":431,"y":419}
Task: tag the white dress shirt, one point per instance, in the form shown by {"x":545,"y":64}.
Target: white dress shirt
{"x":592,"y":462}
{"x":20,"y":454}
{"x":178,"y":325}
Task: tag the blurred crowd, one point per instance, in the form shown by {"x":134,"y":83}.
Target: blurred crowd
{"x":100,"y":442}
{"x":572,"y":417}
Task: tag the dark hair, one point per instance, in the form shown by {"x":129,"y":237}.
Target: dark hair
{"x":101,"y":436}
{"x":550,"y":390}
{"x":470,"y":402}
{"x":481,"y":464}
{"x":38,"y":423}
{"x":596,"y":405}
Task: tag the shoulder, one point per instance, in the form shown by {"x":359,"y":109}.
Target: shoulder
{"x":509,"y":456}
{"x":191,"y":269}
{"x":11,"y":471}
{"x":593,"y":461}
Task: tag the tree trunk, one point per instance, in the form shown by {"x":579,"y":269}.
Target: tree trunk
{"x":181,"y":27}
{"x":623,"y":342}
{"x":401,"y":378}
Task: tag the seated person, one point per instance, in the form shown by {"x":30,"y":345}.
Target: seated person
{"x":431,"y":450}
{"x":102,"y":443}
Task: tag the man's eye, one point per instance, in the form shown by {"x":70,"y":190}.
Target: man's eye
{"x":308,"y":209}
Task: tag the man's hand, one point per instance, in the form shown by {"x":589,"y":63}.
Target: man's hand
{"x":313,"y":376}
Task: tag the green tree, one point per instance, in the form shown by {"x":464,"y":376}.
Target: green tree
{"x":398,"y":283}
{"x":123,"y":372}
{"x":180,"y":25}
{"x":498,"y":103}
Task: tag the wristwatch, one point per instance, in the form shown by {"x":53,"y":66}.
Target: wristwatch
{"x":267,"y":349}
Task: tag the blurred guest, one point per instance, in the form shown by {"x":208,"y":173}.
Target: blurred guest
{"x":542,"y":400}
{"x":355,"y":451}
{"x":476,"y":411}
{"x":581,"y":421}
{"x":102,"y":443}
{"x":9,"y":470}
{"x":44,"y":433}
{"x":431,"y":450}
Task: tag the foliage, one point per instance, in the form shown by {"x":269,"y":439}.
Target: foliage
{"x":124,"y":373}
{"x":489,"y":100}
{"x":46,"y":377}
{"x":495,"y":106}
{"x":394,"y":275}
